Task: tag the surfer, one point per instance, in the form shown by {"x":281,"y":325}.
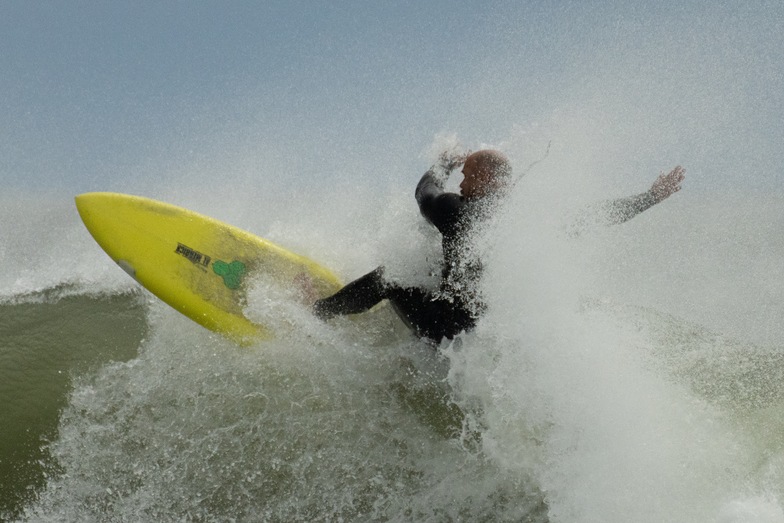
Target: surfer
{"x":457,"y":305}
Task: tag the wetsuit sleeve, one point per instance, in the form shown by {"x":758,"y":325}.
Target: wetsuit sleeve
{"x":438,"y":206}
{"x":612,"y":212}
{"x":624,"y":209}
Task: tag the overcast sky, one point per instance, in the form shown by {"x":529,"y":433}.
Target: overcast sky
{"x":104,"y":95}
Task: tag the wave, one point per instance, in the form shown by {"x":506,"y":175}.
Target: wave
{"x":583,"y":395}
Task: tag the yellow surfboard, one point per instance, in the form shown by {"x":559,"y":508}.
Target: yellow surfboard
{"x":198,"y":265}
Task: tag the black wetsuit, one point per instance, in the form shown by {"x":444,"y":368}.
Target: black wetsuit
{"x":456,"y":306}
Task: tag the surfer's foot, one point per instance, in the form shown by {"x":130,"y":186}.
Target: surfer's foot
{"x":306,"y":292}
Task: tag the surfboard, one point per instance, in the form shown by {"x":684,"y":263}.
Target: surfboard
{"x":199,"y":265}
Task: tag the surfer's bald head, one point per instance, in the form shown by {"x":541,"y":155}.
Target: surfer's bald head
{"x":486,"y":171}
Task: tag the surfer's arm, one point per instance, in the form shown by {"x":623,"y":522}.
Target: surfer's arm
{"x":624,"y":209}
{"x":434,"y":202}
{"x":618,"y":211}
{"x":432,"y":183}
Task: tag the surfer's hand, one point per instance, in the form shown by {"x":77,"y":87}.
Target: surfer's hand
{"x":452,"y":158}
{"x":667,"y":184}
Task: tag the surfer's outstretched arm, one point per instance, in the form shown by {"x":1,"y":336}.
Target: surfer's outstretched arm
{"x":624,"y":209}
{"x":613,"y":212}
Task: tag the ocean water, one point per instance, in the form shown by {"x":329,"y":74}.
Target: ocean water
{"x":631,"y":374}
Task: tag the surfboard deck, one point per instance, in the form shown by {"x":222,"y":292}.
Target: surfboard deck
{"x":198,"y":265}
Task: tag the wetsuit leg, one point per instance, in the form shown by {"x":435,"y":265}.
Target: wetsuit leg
{"x":429,"y":316}
{"x":358,"y":296}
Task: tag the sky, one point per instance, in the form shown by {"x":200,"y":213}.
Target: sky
{"x":125,"y":95}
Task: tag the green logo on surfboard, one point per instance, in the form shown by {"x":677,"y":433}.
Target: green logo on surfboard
{"x":231,"y":273}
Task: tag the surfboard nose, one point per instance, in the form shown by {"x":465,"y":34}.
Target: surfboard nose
{"x":79,"y":199}
{"x":83,"y":202}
